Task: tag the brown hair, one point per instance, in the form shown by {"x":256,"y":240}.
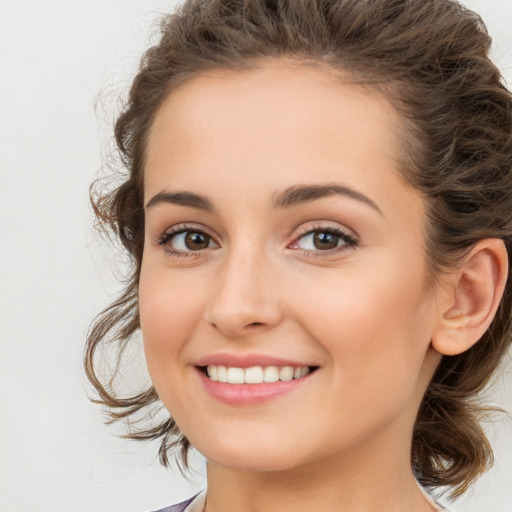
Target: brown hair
{"x":430,"y":58}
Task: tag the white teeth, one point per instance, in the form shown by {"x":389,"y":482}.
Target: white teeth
{"x":286,"y":373}
{"x":222,"y":374}
{"x":255,"y":374}
{"x":270,"y":374}
{"x":212,"y":372}
{"x":236,"y":375}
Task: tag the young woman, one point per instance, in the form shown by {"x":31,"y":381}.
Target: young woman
{"x":318,"y":207}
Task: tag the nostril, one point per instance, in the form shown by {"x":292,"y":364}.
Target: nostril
{"x":255,"y":324}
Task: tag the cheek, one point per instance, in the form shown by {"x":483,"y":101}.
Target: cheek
{"x":169,"y":311}
{"x":375,"y":323}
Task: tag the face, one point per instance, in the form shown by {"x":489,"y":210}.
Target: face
{"x":281,"y":243}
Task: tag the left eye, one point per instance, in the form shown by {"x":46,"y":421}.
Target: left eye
{"x":323,"y":240}
{"x":184,"y":241}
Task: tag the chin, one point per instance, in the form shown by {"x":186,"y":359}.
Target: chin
{"x":254,"y":465}
{"x":253,"y":458}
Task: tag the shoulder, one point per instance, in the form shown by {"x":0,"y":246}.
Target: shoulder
{"x":179,"y":507}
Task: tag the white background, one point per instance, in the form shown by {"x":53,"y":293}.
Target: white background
{"x":56,"y":57}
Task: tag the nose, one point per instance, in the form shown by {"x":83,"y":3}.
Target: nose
{"x":246,"y":296}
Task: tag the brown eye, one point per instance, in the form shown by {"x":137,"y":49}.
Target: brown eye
{"x":186,"y":241}
{"x":196,"y":241}
{"x":323,"y":240}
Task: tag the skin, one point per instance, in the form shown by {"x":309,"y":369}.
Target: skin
{"x":364,"y":314}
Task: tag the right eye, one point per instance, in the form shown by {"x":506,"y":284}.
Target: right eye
{"x":182,"y":242}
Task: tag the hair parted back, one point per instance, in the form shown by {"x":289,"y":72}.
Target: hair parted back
{"x":430,"y":58}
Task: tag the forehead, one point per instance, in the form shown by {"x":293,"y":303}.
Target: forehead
{"x":282,"y":121}
{"x":287,"y":94}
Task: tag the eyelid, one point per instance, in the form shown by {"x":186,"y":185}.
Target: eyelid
{"x":184,"y":226}
{"x":326,"y":225}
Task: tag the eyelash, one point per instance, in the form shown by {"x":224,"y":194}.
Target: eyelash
{"x":348,"y":240}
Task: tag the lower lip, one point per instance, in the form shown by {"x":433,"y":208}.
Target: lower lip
{"x":249,"y":394}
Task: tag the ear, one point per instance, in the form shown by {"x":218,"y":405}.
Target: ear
{"x":470,"y":297}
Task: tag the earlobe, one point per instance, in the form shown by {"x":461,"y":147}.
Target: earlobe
{"x":472,"y":296}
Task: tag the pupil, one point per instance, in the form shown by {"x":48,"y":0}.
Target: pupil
{"x":196,"y":241}
{"x":325,"y":240}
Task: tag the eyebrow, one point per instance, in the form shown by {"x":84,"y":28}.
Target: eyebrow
{"x":300,"y":194}
{"x":288,"y":198}
{"x":182,"y":199}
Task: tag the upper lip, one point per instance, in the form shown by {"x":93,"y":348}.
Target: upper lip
{"x":246,"y":361}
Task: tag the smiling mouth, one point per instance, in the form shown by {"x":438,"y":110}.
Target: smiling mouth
{"x":255,"y":374}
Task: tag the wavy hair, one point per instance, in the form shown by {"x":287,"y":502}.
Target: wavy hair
{"x":430,"y":58}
